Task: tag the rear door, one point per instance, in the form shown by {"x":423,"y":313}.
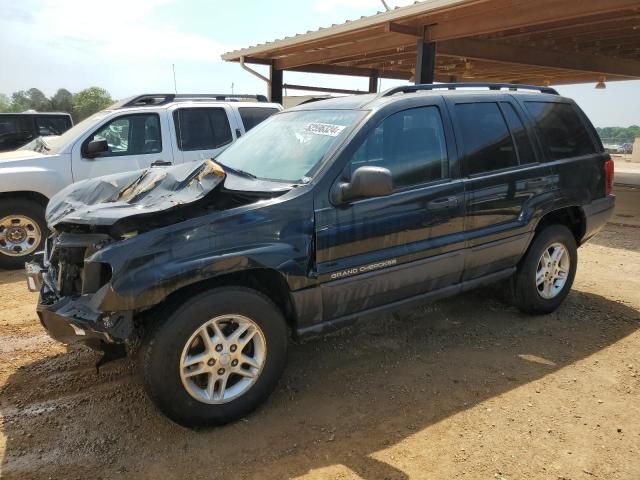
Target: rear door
{"x":374,"y":251}
{"x":136,"y":141}
{"x":503,"y":178}
{"x":202,"y":132}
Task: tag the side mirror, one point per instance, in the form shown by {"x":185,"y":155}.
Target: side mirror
{"x":365,"y":182}
{"x":96,"y":148}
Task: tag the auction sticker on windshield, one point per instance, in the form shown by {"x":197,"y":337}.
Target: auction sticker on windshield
{"x":327,"y":129}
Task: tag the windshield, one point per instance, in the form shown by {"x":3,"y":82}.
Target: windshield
{"x":289,"y":146}
{"x":54,"y":144}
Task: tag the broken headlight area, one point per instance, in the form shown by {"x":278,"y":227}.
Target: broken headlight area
{"x":67,"y":271}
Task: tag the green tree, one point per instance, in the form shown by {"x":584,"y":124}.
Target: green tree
{"x":5,"y":103}
{"x":62,"y":101}
{"x":89,"y":101}
{"x":20,"y":101}
{"x":38,"y":100}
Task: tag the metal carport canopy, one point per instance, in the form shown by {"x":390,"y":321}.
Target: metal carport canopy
{"x":512,"y":41}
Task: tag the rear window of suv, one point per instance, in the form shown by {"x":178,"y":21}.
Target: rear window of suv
{"x":562,"y":131}
{"x":252,"y":116}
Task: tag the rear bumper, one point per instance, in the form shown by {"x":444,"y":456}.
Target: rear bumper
{"x":597,"y":214}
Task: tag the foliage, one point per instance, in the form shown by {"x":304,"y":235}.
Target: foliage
{"x":619,"y":134}
{"x":80,"y":105}
{"x":89,"y":101}
{"x":62,"y":101}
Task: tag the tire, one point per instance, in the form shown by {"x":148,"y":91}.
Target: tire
{"x":532,"y":297}
{"x":29,"y":233}
{"x":165,"y":355}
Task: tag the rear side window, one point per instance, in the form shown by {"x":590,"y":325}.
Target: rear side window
{"x":519,"y":132}
{"x":252,"y":116}
{"x":486,"y":138}
{"x":15,"y":131}
{"x":202,"y":128}
{"x":50,"y":125}
{"x":410,"y":144}
{"x":561,"y":130}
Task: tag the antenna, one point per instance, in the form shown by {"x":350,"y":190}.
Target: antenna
{"x":385,"y":5}
{"x":175,"y":85}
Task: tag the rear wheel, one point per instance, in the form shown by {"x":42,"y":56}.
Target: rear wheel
{"x":23,"y":230}
{"x":547,"y":271}
{"x":216,"y":357}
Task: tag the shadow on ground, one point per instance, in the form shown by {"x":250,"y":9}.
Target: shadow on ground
{"x":343,"y":397}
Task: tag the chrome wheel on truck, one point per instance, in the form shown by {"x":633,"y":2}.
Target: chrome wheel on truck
{"x":22,"y":231}
{"x":546,"y":272}
{"x":215,"y":356}
{"x":223,"y":359}
{"x":19,"y":235}
{"x":553,"y":270}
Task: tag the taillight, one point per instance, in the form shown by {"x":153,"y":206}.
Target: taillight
{"x":608,"y":177}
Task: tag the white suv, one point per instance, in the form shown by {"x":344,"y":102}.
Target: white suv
{"x":136,"y":133}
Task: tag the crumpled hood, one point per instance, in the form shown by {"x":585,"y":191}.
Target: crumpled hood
{"x":105,"y":200}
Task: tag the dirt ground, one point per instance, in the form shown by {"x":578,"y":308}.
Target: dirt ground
{"x":465,"y":388}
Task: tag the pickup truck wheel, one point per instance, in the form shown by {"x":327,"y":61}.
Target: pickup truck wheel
{"x":546,"y":273}
{"x":216,"y":357}
{"x":22,"y":231}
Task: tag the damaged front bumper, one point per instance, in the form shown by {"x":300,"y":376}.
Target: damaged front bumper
{"x":73,"y":319}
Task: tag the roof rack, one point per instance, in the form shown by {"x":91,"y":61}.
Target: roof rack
{"x":156,"y":99}
{"x":455,"y":86}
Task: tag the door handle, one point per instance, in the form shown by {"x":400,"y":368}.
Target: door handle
{"x":539,"y":182}
{"x":161,"y":163}
{"x":443,"y":203}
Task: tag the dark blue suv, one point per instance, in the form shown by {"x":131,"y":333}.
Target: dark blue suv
{"x":320,"y":215}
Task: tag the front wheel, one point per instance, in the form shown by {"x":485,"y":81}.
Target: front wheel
{"x":547,"y":271}
{"x":216,"y":357}
{"x":23,"y":230}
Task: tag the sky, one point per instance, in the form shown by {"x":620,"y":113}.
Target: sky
{"x":128,"y":47}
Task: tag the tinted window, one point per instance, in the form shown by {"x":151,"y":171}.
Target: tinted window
{"x":15,"y":131}
{"x":202,"y":128}
{"x":561,"y":130}
{"x":131,"y":135}
{"x":519,"y":132}
{"x":411,"y":144}
{"x":50,"y":125}
{"x":486,"y":139}
{"x":252,"y":116}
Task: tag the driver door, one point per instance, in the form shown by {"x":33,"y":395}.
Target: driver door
{"x":136,"y":141}
{"x":374,"y":251}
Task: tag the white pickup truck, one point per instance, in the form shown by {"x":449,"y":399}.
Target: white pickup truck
{"x":136,"y":133}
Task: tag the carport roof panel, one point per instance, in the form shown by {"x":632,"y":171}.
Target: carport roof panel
{"x":483,"y":40}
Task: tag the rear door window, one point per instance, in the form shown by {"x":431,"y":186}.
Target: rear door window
{"x":519,"y":132}
{"x":50,"y":125}
{"x":252,"y":116}
{"x":486,"y":139}
{"x":202,"y":128}
{"x":562,"y":131}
